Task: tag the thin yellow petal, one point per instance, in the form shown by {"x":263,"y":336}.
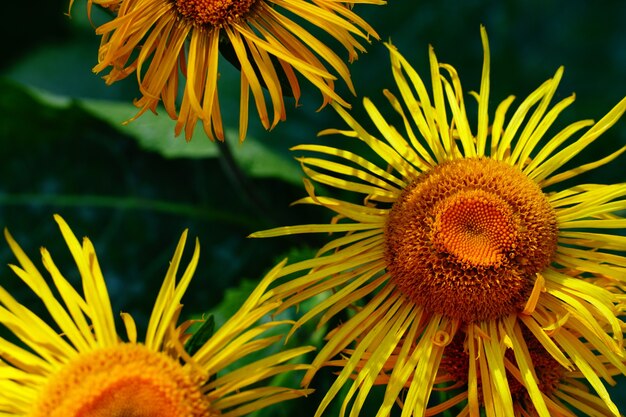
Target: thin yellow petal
{"x":131,"y":327}
{"x":562,"y":157}
{"x":525,"y":141}
{"x":155,"y":327}
{"x":524,"y":362}
{"x":96,"y":295}
{"x":483,"y":97}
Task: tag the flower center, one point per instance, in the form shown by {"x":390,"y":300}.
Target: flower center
{"x":475,"y":226}
{"x":467,"y":238}
{"x":126,"y":380}
{"x":214,"y":13}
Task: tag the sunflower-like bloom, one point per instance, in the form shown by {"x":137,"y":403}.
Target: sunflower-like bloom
{"x":462,"y":232}
{"x":174,"y":43}
{"x":81,"y":367}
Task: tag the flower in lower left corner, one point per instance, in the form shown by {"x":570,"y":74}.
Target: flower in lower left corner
{"x":81,"y":366}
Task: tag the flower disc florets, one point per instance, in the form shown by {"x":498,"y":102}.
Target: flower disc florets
{"x":467,"y":238}
{"x":214,"y":13}
{"x":127,"y":380}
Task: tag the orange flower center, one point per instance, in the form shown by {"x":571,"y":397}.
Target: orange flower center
{"x":214,"y":13}
{"x":466,"y":239}
{"x":475,"y":227}
{"x":125,"y":380}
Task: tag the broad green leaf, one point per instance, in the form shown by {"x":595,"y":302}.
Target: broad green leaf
{"x":203,"y":333}
{"x":153,"y":132}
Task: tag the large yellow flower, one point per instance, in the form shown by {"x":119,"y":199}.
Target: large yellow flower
{"x":149,"y":38}
{"x":81,"y":367}
{"x":461,"y":233}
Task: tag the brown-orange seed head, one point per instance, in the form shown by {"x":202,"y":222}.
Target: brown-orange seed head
{"x":123,"y":380}
{"x":467,"y":239}
{"x":214,"y":13}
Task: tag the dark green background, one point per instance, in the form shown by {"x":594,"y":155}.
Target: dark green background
{"x":133,"y":189}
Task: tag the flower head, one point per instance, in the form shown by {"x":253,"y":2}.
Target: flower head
{"x":171,"y":44}
{"x":81,"y":366}
{"x":460,"y":238}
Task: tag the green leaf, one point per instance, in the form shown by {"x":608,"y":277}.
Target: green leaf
{"x":261,"y":160}
{"x":154,"y":132}
{"x":200,"y":336}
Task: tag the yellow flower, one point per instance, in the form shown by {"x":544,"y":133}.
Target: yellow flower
{"x":461,"y":230}
{"x":148,"y":37}
{"x":81,"y":367}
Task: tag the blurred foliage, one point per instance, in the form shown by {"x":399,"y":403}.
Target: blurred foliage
{"x":132,"y":188}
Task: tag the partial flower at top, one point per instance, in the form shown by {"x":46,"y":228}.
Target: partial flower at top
{"x":79,"y":366}
{"x":175,"y":43}
{"x":459,"y":235}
